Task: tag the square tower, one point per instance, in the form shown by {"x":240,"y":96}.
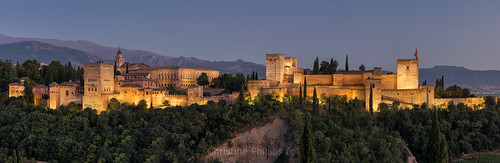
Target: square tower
{"x":407,"y":74}
{"x":275,"y":67}
{"x":98,"y":85}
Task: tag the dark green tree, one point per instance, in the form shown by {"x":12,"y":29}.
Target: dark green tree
{"x":346,"y":62}
{"x":437,"y":148}
{"x":315,"y":102}
{"x":202,"y":80}
{"x":167,"y":103}
{"x":324,"y":67}
{"x":316,"y":66}
{"x":362,"y":68}
{"x":489,"y":101}
{"x":253,"y":75}
{"x":126,"y":68}
{"x":305,"y":89}
{"x":28,"y":97}
{"x":241,"y":96}
{"x":371,"y":99}
{"x":300,"y":93}
{"x":307,"y":152}
{"x":15,"y":158}
{"x":142,"y":105}
{"x":256,"y":76}
{"x":116,"y":70}
{"x":114,"y":104}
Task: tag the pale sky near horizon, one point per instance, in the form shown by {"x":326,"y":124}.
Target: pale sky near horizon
{"x":374,"y":33}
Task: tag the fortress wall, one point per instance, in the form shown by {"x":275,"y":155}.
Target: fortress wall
{"x":352,"y":79}
{"x":69,"y":94}
{"x":389,"y":81}
{"x":175,"y":100}
{"x":254,"y":87}
{"x":412,"y":96}
{"x":469,"y":102}
{"x":319,"y":79}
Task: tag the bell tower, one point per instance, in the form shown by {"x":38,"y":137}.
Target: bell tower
{"x":119,"y":59}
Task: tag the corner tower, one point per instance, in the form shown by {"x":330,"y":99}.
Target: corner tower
{"x":119,"y":59}
{"x":275,"y":67}
{"x":407,"y":73}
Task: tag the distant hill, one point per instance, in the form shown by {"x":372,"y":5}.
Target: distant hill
{"x":140,"y":56}
{"x":460,"y":76}
{"x":44,"y":53}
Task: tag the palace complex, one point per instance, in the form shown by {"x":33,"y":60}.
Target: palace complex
{"x":284,"y":77}
{"x":138,"y":81}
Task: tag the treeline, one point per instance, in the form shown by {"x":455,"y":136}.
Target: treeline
{"x":450,"y":92}
{"x":466,"y":131}
{"x":46,"y":74}
{"x":125,"y":133}
{"x":325,"y":67}
{"x":344,"y":132}
{"x":229,"y":82}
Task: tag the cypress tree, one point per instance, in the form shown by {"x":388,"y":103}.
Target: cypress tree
{"x":300,"y":93}
{"x":442,"y":81}
{"x":371,"y":99}
{"x":248,"y":78}
{"x":316,"y":66}
{"x":126,"y":70}
{"x":437,"y":148}
{"x":305,"y":89}
{"x":256,"y":76}
{"x":315,"y":102}
{"x":28,"y":92}
{"x":329,"y":102}
{"x":241,"y":96}
{"x":253,"y":75}
{"x":307,"y":152}
{"x":330,"y":67}
{"x":346,"y":62}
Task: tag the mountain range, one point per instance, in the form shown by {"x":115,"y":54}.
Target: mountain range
{"x":107,"y":54}
{"x":460,"y":76}
{"x":81,"y":51}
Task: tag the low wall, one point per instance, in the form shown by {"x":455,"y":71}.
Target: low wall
{"x":473,"y":102}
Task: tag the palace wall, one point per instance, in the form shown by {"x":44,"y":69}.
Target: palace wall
{"x":389,"y":81}
{"x":410,"y":96}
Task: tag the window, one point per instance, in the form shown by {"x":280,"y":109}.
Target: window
{"x":67,"y":93}
{"x":407,"y":67}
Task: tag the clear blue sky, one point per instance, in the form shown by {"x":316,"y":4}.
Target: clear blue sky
{"x":374,"y":33}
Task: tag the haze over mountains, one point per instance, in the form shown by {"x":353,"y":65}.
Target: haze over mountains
{"x":107,"y":54}
{"x":81,"y":51}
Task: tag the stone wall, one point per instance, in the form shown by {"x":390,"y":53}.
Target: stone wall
{"x":389,"y":81}
{"x":410,"y":96}
{"x":319,"y":79}
{"x":473,"y":102}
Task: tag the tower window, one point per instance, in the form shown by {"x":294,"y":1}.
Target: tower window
{"x":407,"y":67}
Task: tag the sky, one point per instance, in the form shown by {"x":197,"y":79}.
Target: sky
{"x":373,"y":33}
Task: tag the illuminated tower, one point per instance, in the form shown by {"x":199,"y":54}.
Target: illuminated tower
{"x":119,"y":59}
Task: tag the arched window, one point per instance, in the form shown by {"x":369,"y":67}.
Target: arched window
{"x":67,"y":93}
